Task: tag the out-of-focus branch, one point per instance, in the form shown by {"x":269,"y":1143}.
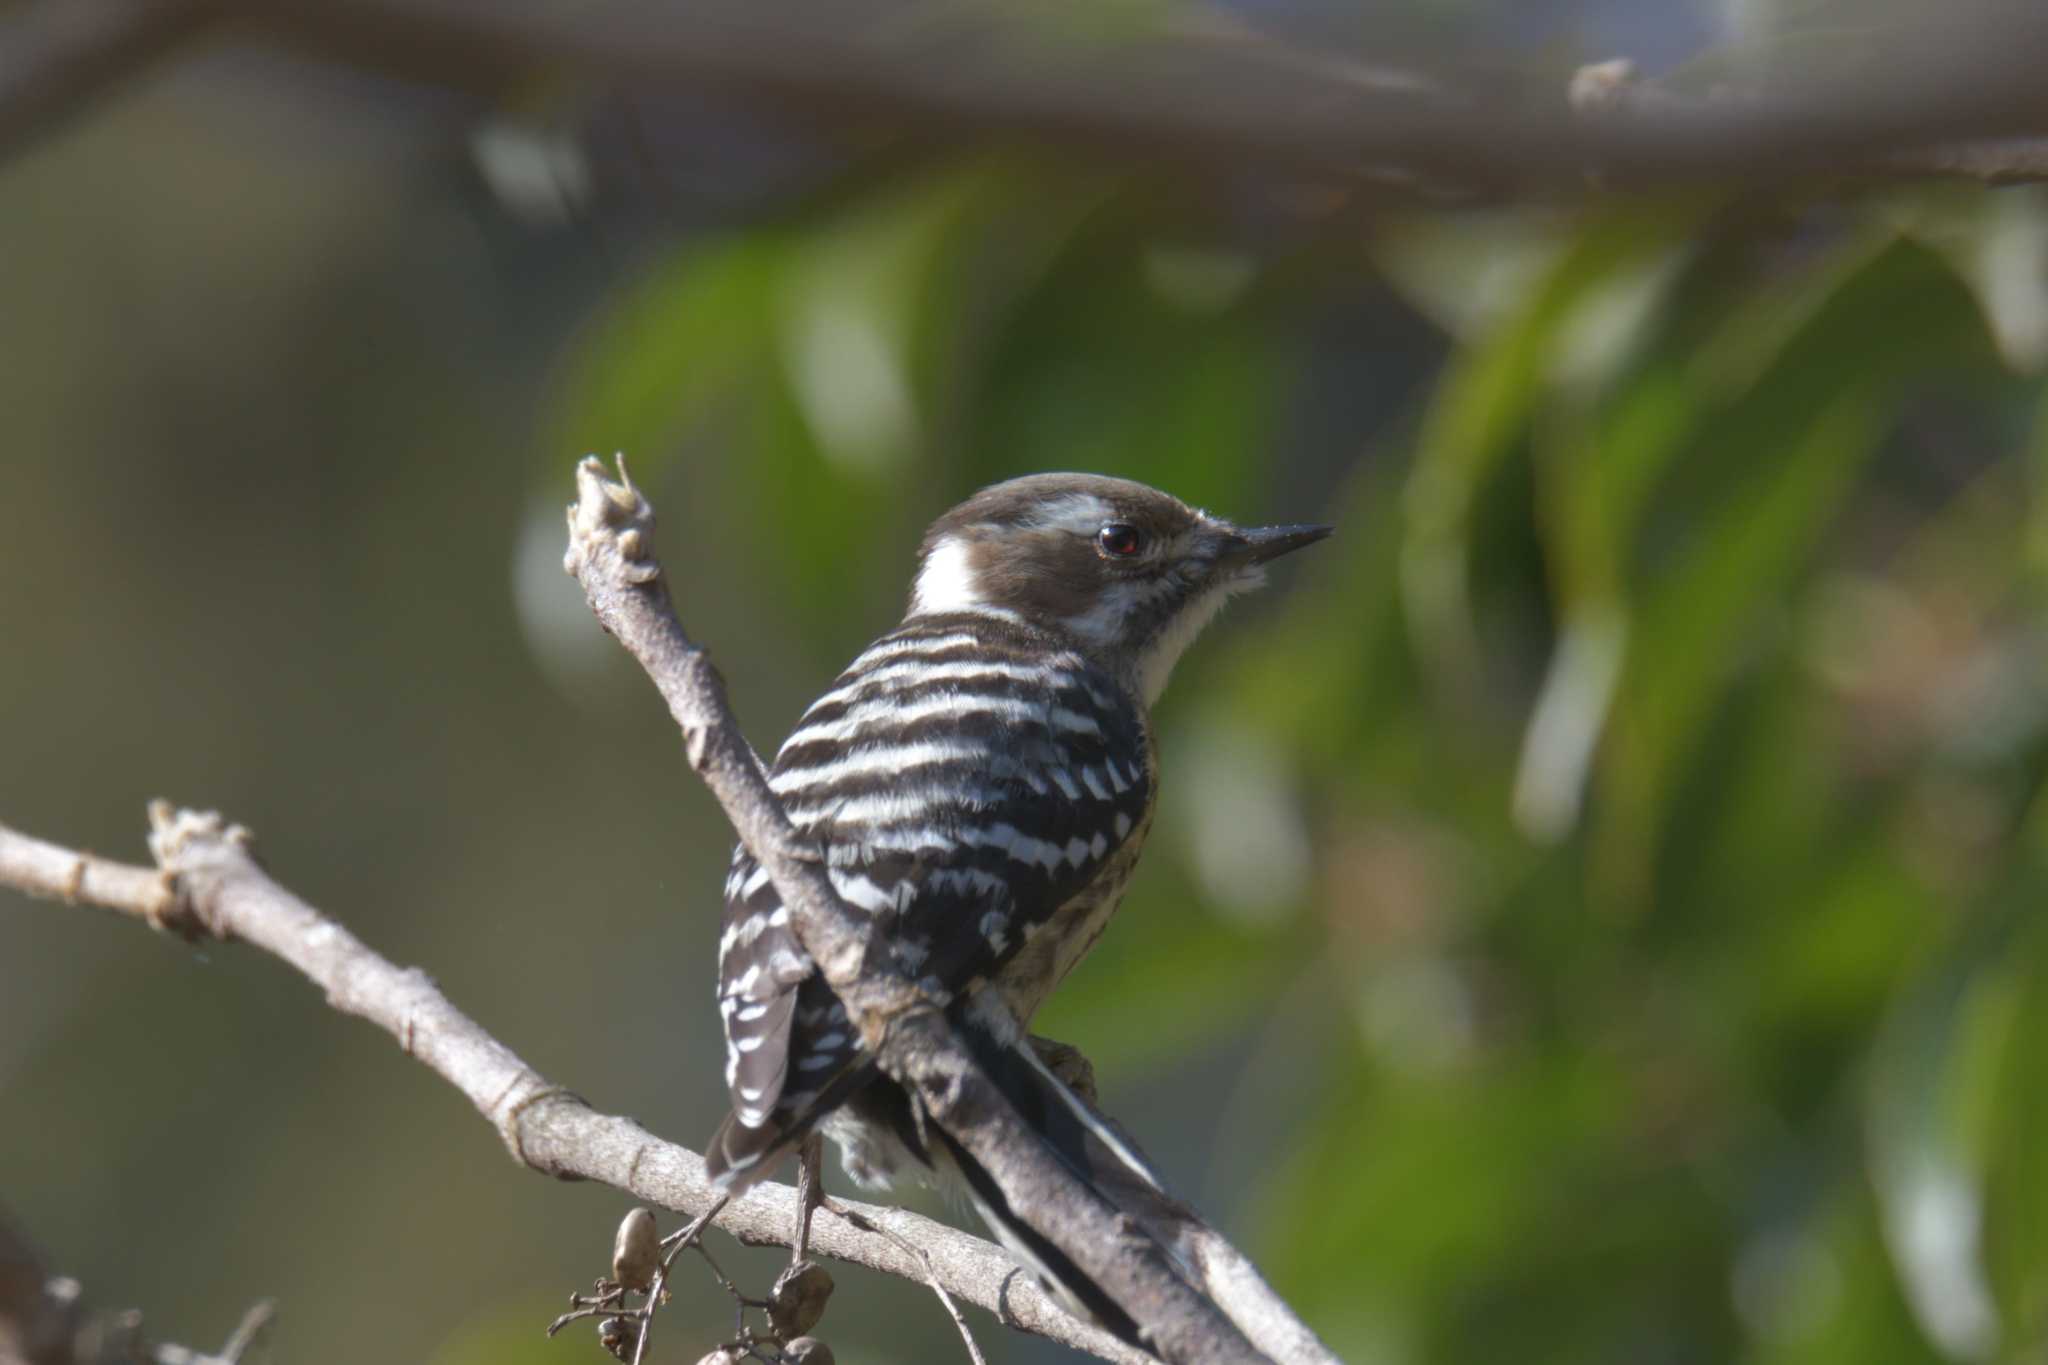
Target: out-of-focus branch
{"x":1612,"y":94}
{"x":43,"y":1322}
{"x":611,"y":553}
{"x":56,"y":56}
{"x":1953,"y":94}
{"x":36,"y":1326}
{"x":219,"y":889}
{"x":1993,"y":161}
{"x":1216,"y":99}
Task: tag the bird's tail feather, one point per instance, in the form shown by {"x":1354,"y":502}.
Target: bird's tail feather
{"x":1087,"y":1145}
{"x":1074,"y":1287}
{"x":1084,"y":1114}
{"x":739,"y":1155}
{"x":1081,"y":1139}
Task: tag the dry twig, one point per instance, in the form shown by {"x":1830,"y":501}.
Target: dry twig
{"x":862,"y":1221}
{"x":217,"y":884}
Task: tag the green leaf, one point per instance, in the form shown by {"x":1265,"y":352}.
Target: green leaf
{"x":1937,"y":1113}
{"x":1480,"y":411}
{"x":1770,"y":472}
{"x":681,"y":341}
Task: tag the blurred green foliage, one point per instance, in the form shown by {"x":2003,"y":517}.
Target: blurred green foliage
{"x":1662,"y":731}
{"x":1594,"y":916}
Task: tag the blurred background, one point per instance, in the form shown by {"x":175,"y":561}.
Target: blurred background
{"x":1594,"y":915}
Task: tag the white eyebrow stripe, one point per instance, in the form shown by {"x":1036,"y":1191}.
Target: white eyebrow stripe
{"x":1081,"y":513}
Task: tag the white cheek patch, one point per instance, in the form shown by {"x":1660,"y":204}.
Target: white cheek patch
{"x":1164,"y":652}
{"x":947,"y":581}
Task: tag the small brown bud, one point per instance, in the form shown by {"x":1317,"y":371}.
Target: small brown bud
{"x":636,"y":1251}
{"x":809,"y":1351}
{"x":798,"y":1299}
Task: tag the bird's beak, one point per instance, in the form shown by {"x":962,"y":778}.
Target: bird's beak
{"x":1270,"y":542}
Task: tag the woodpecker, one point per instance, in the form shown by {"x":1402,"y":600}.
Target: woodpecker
{"x":980,"y":780}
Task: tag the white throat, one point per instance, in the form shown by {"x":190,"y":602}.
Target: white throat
{"x":1155,"y":665}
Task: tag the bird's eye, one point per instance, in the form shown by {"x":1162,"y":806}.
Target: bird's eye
{"x":1118,"y":541}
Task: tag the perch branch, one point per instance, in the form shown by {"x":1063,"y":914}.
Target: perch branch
{"x":216,"y":887}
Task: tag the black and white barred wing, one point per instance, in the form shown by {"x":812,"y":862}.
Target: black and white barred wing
{"x":965,"y":781}
{"x":760,"y":965}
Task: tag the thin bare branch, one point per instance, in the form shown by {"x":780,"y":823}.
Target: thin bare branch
{"x":51,"y":872}
{"x":974,"y":1355}
{"x":248,"y":1331}
{"x":220,"y":886}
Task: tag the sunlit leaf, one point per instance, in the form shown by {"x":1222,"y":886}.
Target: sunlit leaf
{"x":1935,"y":1104}
{"x":1776,"y":463}
{"x":1479,"y":413}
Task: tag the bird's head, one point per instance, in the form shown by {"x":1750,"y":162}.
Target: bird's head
{"x":1127,"y":573}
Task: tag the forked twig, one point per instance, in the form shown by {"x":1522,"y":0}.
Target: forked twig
{"x":672,"y":1246}
{"x":917,"y":1253}
{"x":206,"y":879}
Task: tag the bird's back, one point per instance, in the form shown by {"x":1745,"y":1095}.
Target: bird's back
{"x":971,"y":781}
